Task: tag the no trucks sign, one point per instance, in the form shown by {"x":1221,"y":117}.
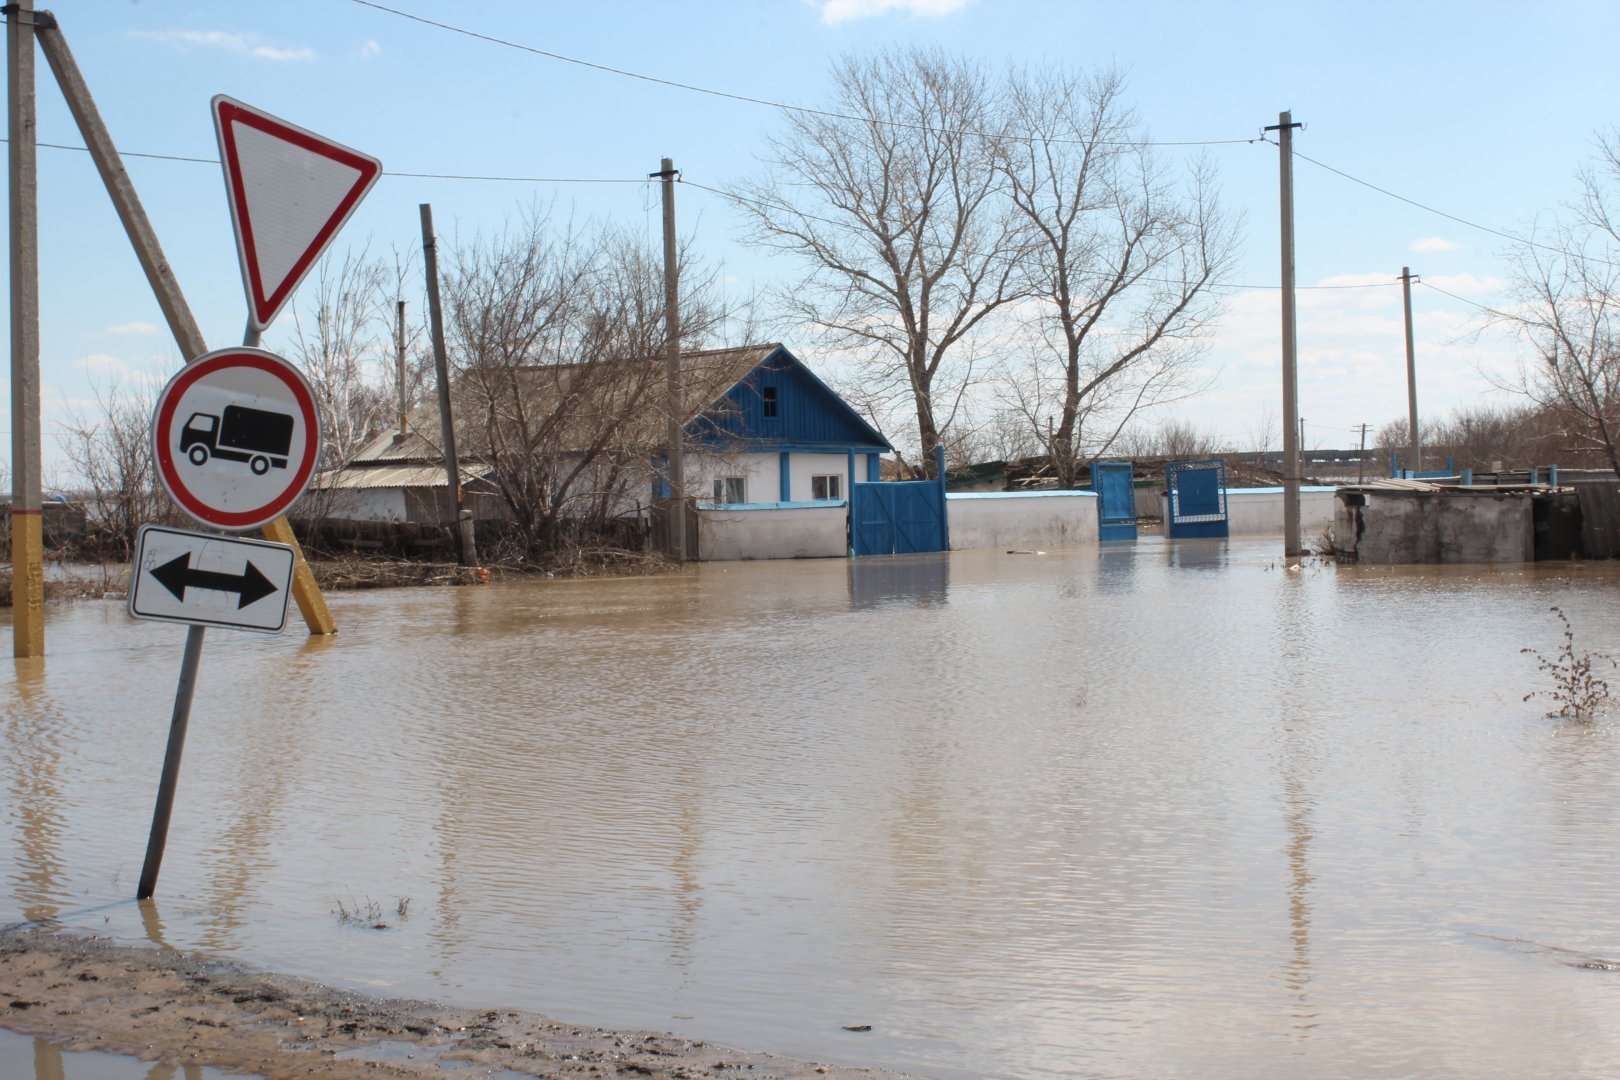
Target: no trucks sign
{"x":236,"y":437}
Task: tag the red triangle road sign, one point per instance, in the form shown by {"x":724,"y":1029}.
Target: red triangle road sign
{"x":290,"y":191}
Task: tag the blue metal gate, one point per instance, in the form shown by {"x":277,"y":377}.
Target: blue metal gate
{"x":1115,"y":485}
{"x":897,"y":518}
{"x":1197,"y":491}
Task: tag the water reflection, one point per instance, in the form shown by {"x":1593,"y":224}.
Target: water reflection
{"x":51,"y":1062}
{"x":898,"y":579}
{"x":1135,"y":812}
{"x":33,"y":736}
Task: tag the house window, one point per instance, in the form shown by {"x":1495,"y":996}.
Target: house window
{"x":729,"y":489}
{"x":768,"y":399}
{"x":827,"y":487}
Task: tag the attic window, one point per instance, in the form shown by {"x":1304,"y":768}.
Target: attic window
{"x":768,"y":397}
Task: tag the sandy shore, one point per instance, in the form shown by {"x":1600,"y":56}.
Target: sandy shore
{"x":182,"y":1008}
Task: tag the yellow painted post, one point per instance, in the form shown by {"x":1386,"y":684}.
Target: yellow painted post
{"x":311,"y":604}
{"x":27,"y":583}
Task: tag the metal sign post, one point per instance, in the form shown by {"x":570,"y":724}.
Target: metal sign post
{"x":235,"y":436}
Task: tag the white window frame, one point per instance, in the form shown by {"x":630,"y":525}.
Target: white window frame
{"x":725,"y":485}
{"x":832,"y":484}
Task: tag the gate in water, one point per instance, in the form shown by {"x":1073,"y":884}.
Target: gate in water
{"x":1115,"y":485}
{"x":1197,"y":495}
{"x":898,"y":518}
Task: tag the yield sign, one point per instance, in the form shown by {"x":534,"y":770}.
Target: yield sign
{"x":290,"y":191}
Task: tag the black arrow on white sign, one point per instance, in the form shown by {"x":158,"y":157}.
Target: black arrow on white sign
{"x":177,"y":576}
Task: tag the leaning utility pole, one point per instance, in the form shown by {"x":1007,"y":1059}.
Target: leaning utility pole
{"x":461,"y":528}
{"x":27,"y":525}
{"x":1285,"y":156}
{"x":1416,"y":451}
{"x":672,"y":361}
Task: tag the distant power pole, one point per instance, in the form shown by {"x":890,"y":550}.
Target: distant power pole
{"x":1302,"y":434}
{"x":399,"y":360}
{"x":1290,"y":346}
{"x":1416,"y":451}
{"x":672,"y":362}
{"x":1361,"y":457}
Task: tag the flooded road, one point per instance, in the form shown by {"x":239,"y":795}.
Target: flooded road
{"x":1161,"y":810}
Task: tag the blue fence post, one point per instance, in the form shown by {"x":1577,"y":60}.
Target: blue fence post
{"x":944,"y":513}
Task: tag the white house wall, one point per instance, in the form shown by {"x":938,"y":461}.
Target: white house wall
{"x":368,"y":504}
{"x":763,"y":473}
{"x":1030,"y":519}
{"x":803,"y":467}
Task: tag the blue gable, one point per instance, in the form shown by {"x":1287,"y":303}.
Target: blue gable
{"x":781,"y":404}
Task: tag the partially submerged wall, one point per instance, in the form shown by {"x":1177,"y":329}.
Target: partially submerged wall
{"x":1259,"y":511}
{"x":816,"y":530}
{"x":1386,"y":528}
{"x":1021,"y":519}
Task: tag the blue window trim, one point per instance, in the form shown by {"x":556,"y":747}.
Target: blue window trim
{"x":783,"y":495}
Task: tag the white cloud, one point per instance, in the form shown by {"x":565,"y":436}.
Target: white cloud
{"x":135,"y":327}
{"x":841,"y":11}
{"x":104,"y":366}
{"x":1432,"y":244}
{"x":370,"y":50}
{"x":230,"y":41}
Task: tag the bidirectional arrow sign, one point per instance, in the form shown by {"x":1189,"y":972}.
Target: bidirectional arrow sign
{"x":208,"y":580}
{"x":290,"y":191}
{"x":235,"y":436}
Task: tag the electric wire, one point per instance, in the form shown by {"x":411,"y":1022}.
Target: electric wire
{"x":1166,"y":281}
{"x":1471,"y":303}
{"x":386,"y":172}
{"x":747,"y":99}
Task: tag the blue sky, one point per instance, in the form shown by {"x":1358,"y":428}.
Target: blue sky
{"x":1483,"y":111}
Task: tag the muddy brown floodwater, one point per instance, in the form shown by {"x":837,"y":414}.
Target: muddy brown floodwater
{"x":1155,"y":810}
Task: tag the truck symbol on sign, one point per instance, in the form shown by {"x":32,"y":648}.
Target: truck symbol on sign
{"x":255,"y":436}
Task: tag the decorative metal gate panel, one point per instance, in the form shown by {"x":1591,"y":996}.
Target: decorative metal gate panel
{"x":897,"y":518}
{"x":1197,"y":491}
{"x":1115,"y":485}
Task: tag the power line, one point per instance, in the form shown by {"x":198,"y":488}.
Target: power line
{"x":744,"y":98}
{"x":386,"y":172}
{"x":844,"y":224}
{"x":1470,"y":303}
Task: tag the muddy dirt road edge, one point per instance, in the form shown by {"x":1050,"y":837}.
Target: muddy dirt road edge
{"x":184,"y":1008}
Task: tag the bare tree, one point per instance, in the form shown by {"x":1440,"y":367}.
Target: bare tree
{"x":1567,"y":283}
{"x":892,"y":200}
{"x":343,"y":345}
{"x":110,"y":450}
{"x":558,"y":338}
{"x":1120,"y":265}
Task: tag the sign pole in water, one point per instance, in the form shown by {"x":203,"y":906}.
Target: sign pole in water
{"x":236,"y":434}
{"x":235,"y":437}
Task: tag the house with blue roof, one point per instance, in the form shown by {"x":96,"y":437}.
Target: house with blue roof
{"x":776,"y":434}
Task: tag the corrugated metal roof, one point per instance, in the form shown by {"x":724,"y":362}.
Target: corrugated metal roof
{"x":389,"y":476}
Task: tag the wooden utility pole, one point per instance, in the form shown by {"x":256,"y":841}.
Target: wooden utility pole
{"x":399,"y":360}
{"x":1290,"y":347}
{"x":1361,"y":457}
{"x":1416,"y":442}
{"x":672,"y":366}
{"x":27,"y":524}
{"x":462,"y":530}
